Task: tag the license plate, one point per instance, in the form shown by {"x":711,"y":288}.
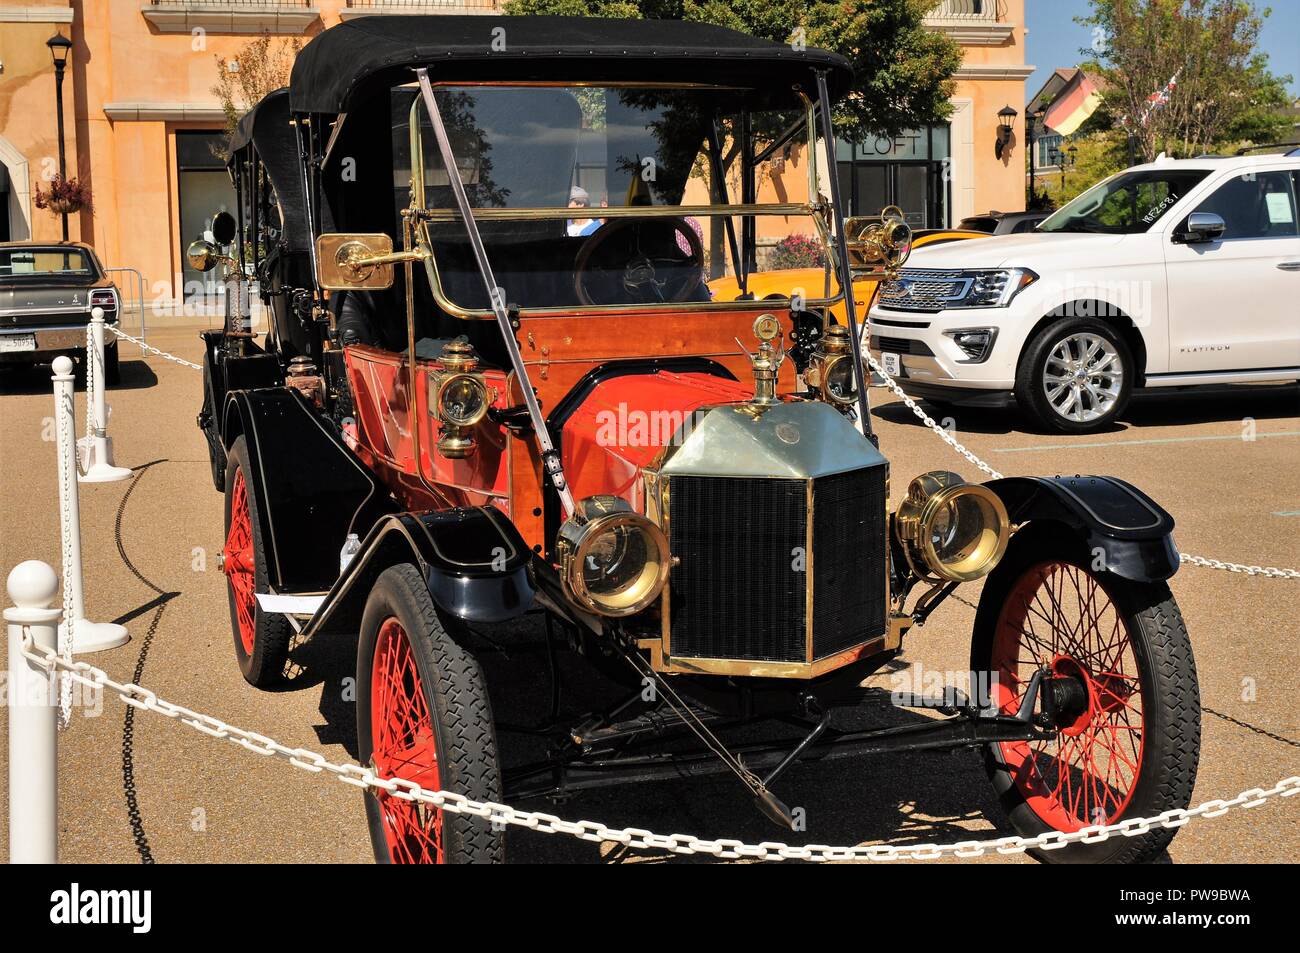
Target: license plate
{"x":892,"y":364}
{"x":17,"y":342}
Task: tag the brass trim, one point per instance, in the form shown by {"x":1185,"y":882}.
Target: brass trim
{"x":541,"y":213}
{"x":764,"y":669}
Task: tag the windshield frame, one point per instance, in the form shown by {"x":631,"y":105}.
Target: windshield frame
{"x":422,"y":217}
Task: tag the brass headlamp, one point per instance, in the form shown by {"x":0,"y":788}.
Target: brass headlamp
{"x":613,"y":560}
{"x":879,"y":247}
{"x":459,"y":397}
{"x":950,"y":529}
{"x":830,"y":372}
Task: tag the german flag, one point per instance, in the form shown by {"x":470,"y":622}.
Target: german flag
{"x":1076,"y":102}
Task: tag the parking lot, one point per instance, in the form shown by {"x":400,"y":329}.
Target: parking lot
{"x":135,"y":785}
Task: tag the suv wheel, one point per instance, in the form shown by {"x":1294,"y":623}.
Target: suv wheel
{"x":1076,"y":376}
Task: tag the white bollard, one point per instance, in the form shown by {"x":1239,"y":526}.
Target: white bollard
{"x":33,"y":712}
{"x":84,"y":636}
{"x":97,"y":444}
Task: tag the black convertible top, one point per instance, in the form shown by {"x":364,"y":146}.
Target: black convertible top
{"x":268,"y":117}
{"x":344,"y":64}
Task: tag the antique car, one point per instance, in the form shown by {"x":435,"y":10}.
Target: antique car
{"x":471,"y":405}
{"x":47,"y":291}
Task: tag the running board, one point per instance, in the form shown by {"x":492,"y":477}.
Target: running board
{"x":1273,"y":374}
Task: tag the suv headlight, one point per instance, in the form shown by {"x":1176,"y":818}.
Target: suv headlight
{"x":992,"y":288}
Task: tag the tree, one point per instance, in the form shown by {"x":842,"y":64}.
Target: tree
{"x":1224,"y":90}
{"x":902,"y":70}
{"x":1098,"y":154}
{"x":259,"y":67}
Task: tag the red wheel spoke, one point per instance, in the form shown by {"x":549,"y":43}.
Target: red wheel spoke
{"x":1060,"y":616}
{"x":404,"y":747}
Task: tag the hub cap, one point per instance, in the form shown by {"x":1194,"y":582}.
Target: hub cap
{"x":1058,"y":616}
{"x":402,"y":737}
{"x":237,"y":562}
{"x":1082,"y":377}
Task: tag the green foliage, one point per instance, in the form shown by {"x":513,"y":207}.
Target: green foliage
{"x":1225,"y":90}
{"x":1097,"y":155}
{"x":261,"y":66}
{"x":903,"y":71}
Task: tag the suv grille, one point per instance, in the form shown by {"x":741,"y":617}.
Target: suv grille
{"x":919,"y":289}
{"x":737,"y":593}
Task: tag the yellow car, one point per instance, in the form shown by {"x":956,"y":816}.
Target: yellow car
{"x":765,"y":283}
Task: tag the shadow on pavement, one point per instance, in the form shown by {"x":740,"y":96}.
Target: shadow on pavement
{"x":1154,"y":408}
{"x":30,"y":379}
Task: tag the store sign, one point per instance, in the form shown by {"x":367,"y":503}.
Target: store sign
{"x":907,"y":145}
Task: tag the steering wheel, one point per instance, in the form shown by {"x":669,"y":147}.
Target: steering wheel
{"x":631,"y":261}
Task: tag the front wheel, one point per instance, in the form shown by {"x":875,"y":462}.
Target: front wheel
{"x":1129,"y":725}
{"x":1076,"y":376}
{"x":423,"y":715}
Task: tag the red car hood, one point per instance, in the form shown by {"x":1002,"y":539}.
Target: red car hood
{"x":625,"y":422}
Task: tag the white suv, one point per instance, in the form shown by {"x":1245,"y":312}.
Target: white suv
{"x":1176,"y":273}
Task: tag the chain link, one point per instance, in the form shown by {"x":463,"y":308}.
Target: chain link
{"x":153,"y":350}
{"x":634,"y":837}
{"x":66,"y":433}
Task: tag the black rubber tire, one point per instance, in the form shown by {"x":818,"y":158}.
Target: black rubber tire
{"x":112,"y":369}
{"x":1029,"y":375}
{"x":456,"y":693}
{"x":211,"y":433}
{"x":265,"y":666}
{"x":1170,"y":693}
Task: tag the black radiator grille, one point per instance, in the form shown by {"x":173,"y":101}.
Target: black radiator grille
{"x":741,"y":588}
{"x":848,"y":560}
{"x":736,"y":593}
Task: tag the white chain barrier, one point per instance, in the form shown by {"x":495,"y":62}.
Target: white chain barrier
{"x":65,"y":426}
{"x":1268,"y":571}
{"x":722,"y":848}
{"x":153,"y":350}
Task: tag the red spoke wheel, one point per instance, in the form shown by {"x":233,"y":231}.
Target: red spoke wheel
{"x":1124,"y":681}
{"x":261,"y":639}
{"x":423,"y":715}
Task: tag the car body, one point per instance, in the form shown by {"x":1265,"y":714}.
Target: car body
{"x":47,"y":292}
{"x":1003,"y":223}
{"x":1152,"y":295}
{"x":465,"y":411}
{"x":784,"y":283}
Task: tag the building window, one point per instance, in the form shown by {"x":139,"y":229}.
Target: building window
{"x":203,"y":188}
{"x":907,"y":170}
{"x":1047,"y":147}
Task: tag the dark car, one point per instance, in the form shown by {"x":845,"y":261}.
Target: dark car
{"x":1003,"y":223}
{"x":47,"y":291}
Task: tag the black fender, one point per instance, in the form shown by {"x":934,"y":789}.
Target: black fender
{"x":474,"y":561}
{"x":313,"y":490}
{"x":1133,"y":532}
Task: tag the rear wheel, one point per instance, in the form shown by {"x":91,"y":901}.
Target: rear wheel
{"x":423,"y":715}
{"x":261,"y":638}
{"x":112,"y":369}
{"x":1121,"y":663}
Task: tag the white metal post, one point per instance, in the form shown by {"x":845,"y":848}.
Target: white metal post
{"x":81,"y":634}
{"x":33,"y":711}
{"x":98,"y":445}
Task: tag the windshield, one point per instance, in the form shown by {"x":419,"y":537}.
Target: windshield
{"x":46,"y":263}
{"x":1127,"y":204}
{"x":558,"y":177}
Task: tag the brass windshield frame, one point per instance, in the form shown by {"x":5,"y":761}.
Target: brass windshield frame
{"x":422,"y":217}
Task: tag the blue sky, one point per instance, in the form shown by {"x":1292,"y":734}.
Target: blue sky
{"x":1055,"y":39}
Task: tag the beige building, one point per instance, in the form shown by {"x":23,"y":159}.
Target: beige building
{"x":141,"y":119}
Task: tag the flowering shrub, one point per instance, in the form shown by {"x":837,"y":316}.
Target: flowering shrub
{"x":797,"y":251}
{"x":66,"y":196}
